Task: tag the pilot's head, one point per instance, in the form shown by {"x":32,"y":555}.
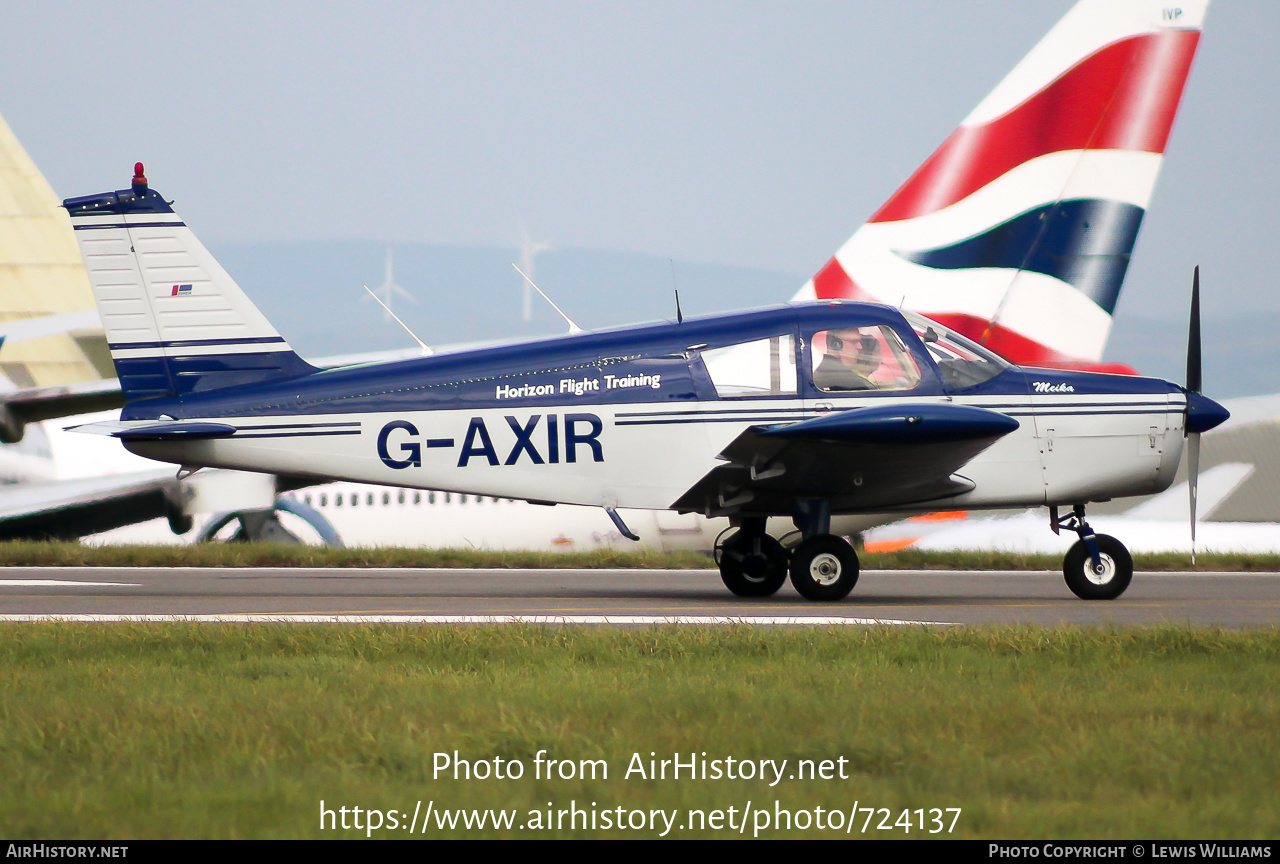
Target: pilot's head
{"x":867,"y":359}
{"x":836,"y":341}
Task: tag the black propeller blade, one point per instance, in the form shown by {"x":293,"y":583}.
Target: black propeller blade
{"x":1194,"y":381}
{"x":1194,"y":385}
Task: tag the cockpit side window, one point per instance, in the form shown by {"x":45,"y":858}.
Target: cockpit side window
{"x":862,"y":358}
{"x":961,"y":362}
{"x":764,"y":367}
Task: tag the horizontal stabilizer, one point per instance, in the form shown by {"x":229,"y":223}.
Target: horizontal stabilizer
{"x":165,"y":430}
{"x":175,"y":431}
{"x":901,"y":424}
{"x":34,"y":404}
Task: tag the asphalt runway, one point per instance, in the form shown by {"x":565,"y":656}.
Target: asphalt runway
{"x":624,"y":597}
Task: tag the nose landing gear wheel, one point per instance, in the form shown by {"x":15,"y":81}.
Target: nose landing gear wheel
{"x":752,"y":566}
{"x":824,"y":567}
{"x":1105,"y":582}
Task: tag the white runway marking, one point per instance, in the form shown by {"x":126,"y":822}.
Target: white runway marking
{"x":270,"y":618}
{"x":59,"y":583}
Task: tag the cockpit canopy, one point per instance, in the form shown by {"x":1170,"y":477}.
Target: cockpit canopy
{"x":858,"y":356}
{"x":961,"y":362}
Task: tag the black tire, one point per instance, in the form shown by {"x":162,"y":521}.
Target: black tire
{"x":1117,"y":569}
{"x":824,"y":568}
{"x":752,"y":566}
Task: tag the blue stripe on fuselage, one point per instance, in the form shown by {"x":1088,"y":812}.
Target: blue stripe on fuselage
{"x":156,"y":378}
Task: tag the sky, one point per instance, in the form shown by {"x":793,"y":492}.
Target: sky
{"x":748,"y":133}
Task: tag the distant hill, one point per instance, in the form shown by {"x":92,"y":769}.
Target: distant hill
{"x":1241,"y":354}
{"x":312,"y":292}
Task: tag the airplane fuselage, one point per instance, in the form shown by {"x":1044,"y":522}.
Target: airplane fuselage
{"x":635,"y":417}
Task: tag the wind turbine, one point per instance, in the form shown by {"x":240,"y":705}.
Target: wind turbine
{"x":389,"y":289}
{"x":528,"y":249}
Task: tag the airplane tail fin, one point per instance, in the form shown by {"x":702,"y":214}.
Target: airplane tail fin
{"x":44,"y":292}
{"x":1017,"y":231}
{"x":176,"y":322}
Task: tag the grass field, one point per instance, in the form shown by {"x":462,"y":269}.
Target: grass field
{"x":223,"y":731}
{"x":24,"y":553}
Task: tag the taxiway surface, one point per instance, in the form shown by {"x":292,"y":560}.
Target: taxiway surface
{"x":628,"y":596}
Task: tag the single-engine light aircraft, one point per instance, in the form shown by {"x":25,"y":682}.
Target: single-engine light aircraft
{"x":800,"y":411}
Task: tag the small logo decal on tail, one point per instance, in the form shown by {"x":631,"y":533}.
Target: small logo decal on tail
{"x":181,"y":291}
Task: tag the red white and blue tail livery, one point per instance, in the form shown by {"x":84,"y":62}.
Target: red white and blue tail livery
{"x":1017,"y":231}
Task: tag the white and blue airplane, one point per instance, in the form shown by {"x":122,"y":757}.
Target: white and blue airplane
{"x":802,"y":411}
{"x":1016,"y":232}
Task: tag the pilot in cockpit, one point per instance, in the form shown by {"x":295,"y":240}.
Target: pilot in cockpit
{"x":839,"y":371}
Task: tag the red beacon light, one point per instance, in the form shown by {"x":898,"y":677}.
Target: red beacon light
{"x":139,"y":180}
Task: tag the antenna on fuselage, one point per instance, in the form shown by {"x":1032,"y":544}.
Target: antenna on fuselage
{"x":674,"y":287}
{"x":421,"y":344}
{"x":573,"y":328}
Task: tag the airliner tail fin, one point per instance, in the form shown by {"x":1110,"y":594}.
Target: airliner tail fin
{"x":1018,"y":230}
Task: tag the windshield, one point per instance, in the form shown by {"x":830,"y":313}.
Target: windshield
{"x":961,"y":362}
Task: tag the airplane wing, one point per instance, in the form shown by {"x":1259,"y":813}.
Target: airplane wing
{"x":31,"y":405}
{"x":863,"y":459}
{"x":70,"y":509}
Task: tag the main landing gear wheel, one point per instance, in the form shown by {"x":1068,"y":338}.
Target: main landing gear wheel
{"x":1104,"y":582}
{"x":824,"y":567}
{"x":752,"y":566}
{"x":264,"y":526}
